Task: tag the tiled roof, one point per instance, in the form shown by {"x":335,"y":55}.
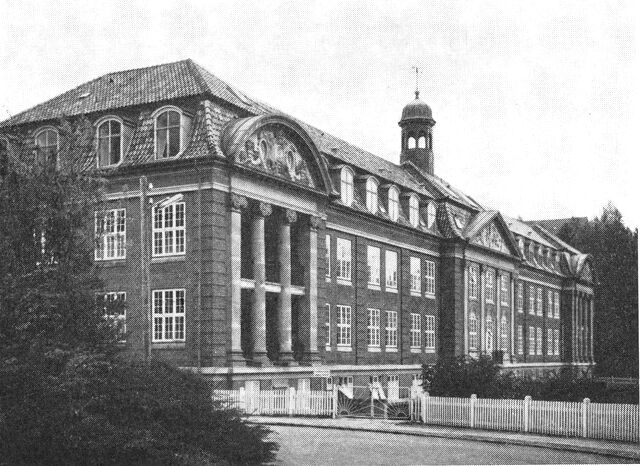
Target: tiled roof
{"x":524,"y":229}
{"x":555,"y":224}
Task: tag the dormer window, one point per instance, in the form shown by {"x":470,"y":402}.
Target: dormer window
{"x":431,"y":214}
{"x":346,"y":186}
{"x":372,"y":195}
{"x":168,"y":133}
{"x":414,"y":210}
{"x":521,"y":246}
{"x":47,"y":145}
{"x":109,"y":142}
{"x":393,"y":203}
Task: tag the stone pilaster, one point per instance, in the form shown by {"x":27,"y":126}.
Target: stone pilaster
{"x":234,"y":351}
{"x":284,"y":300}
{"x":258,"y":309}
{"x":591,"y":357}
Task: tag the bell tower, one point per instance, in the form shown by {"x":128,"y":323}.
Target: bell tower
{"x":417,"y":135}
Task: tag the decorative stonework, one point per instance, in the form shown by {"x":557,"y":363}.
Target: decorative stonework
{"x":290,"y":216}
{"x":491,"y":238}
{"x":238,"y":202}
{"x":263,"y":209}
{"x":315,"y":222}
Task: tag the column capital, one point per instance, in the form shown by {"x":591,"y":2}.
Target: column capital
{"x":263,"y":209}
{"x":315,"y":222}
{"x":289,"y":216}
{"x":238,"y":202}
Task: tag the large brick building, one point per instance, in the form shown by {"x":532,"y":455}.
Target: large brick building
{"x":255,"y":247}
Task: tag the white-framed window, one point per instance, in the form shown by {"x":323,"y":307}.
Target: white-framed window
{"x":169,"y":230}
{"x":520,"y":298}
{"x":539,"y":302}
{"x":111,"y":235}
{"x":391,"y":330}
{"x":414,"y":210}
{"x":373,"y":264}
{"x":47,"y":145}
{"x":539,"y":341}
{"x":109,"y":142}
{"x":549,"y":304}
{"x":343,"y":317}
{"x":473,"y":332}
{"x":346,"y":186}
{"x":373,"y":328}
{"x":327,"y":240}
{"x":556,"y":305}
{"x":327,"y":343}
{"x":346,"y":381}
{"x":549,"y":342}
{"x":168,"y":315}
{"x":532,"y":340}
{"x":520,"y":345}
{"x":488,"y":342}
{"x":431,"y":214}
{"x":393,"y":203}
{"x":114,"y":307}
{"x":343,"y":249}
{"x":473,"y":282}
{"x":168,"y":132}
{"x":430,"y":278}
{"x":504,"y":333}
{"x":490,"y":286}
{"x":372,"y":195}
{"x":416,"y":275}
{"x":504,"y":290}
{"x":532,"y":299}
{"x":415,"y":331}
{"x":391,"y":269}
{"x":556,"y":342}
{"x":429,"y":333}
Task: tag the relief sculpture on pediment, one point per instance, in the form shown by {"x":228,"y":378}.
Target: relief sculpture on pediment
{"x":490,"y":237}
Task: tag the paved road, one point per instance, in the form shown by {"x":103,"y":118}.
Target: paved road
{"x":311,"y":446}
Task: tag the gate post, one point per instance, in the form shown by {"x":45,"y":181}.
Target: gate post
{"x":242,"y":402}
{"x":425,"y":398}
{"x":334,"y":411}
{"x":527,"y":412}
{"x":585,"y":409}
{"x":472,"y":411}
{"x":291,"y":400}
{"x":371,"y":402}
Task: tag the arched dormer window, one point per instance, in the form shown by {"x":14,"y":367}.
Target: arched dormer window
{"x":394,"y":203}
{"x":411,"y":142}
{"x":168,"y":132}
{"x":47,"y":145}
{"x":372,"y":195}
{"x":422,"y":141}
{"x":4,"y":157}
{"x":414,"y":210}
{"x":431,"y":214}
{"x":109,"y":140}
{"x":346,"y":186}
{"x":521,"y":246}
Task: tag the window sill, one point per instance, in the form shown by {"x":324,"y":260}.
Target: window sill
{"x":391,"y":290}
{"x":390,"y":349}
{"x":345,"y":349}
{"x":430,"y":295}
{"x":416,"y":350}
{"x":373,"y":349}
{"x":343,"y":282}
{"x":327,"y":348}
{"x":173,"y":258}
{"x":327,"y":279}
{"x":430,"y":350}
{"x":168,"y":345}
{"x":112,"y":262}
{"x":416,"y":294}
{"x":374,"y":287}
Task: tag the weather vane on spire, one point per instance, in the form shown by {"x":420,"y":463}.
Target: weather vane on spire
{"x":417,"y":90}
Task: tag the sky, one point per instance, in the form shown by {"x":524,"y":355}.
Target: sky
{"x":537,"y":104}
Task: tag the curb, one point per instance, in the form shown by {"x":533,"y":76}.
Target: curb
{"x":548,"y":443}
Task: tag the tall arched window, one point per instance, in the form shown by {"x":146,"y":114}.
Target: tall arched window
{"x":422,"y":141}
{"x":473,"y":332}
{"x":489,"y":335}
{"x":109,"y":142}
{"x":47,"y":145}
{"x":393,"y":203}
{"x":168,"y":130}
{"x":504,"y":334}
{"x":414,"y":210}
{"x":346,"y":186}
{"x":411,"y":142}
{"x":372,"y":195}
{"x":431,"y":214}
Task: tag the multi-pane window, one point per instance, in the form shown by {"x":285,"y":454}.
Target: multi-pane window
{"x":391,"y":269}
{"x":473,"y":332}
{"x":431,"y":214}
{"x":169,"y":230}
{"x":373,"y":328}
{"x":532,"y":340}
{"x":556,"y":305}
{"x":429,"y":333}
{"x":489,"y":334}
{"x":111,"y":235}
{"x":391,"y":330}
{"x":473,"y":282}
{"x":346,"y":186}
{"x":549,"y":304}
{"x":539,"y":341}
{"x":373,"y":264}
{"x":328,"y":326}
{"x":343,"y":319}
{"x":556,"y":342}
{"x":168,"y":134}
{"x":414,"y":210}
{"x":549,"y":342}
{"x":520,"y":342}
{"x":109,"y":143}
{"x":415,"y":331}
{"x":343,"y":259}
{"x":520,"y":298}
{"x":394,"y":203}
{"x":539,"y":302}
{"x":47,"y":146}
{"x":327,"y":258}
{"x":504,"y":333}
{"x":168,"y":315}
{"x":372,"y":195}
{"x":114,"y":308}
{"x":416,"y":274}
{"x":504,"y":289}
{"x":490,"y":286}
{"x":532,"y":299}
{"x":430,"y":278}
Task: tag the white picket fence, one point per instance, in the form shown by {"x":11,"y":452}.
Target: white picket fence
{"x":572,"y":419}
{"x":284,"y":402}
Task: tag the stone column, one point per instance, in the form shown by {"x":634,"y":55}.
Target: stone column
{"x":234,"y":352}
{"x":284,"y":300}
{"x":259,"y":308}
{"x":310,"y":303}
{"x":574,"y":326}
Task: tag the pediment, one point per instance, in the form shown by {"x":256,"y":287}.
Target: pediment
{"x":491,"y":237}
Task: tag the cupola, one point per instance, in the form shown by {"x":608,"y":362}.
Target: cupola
{"x":417,"y":135}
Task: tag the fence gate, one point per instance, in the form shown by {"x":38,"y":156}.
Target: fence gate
{"x":373,"y":402}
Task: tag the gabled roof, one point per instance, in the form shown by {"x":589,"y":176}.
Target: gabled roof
{"x":481,"y":220}
{"x":553,"y":225}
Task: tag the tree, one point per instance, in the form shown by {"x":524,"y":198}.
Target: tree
{"x":615,"y":253}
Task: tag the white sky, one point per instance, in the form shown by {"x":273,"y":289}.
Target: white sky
{"x":537,"y":103}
